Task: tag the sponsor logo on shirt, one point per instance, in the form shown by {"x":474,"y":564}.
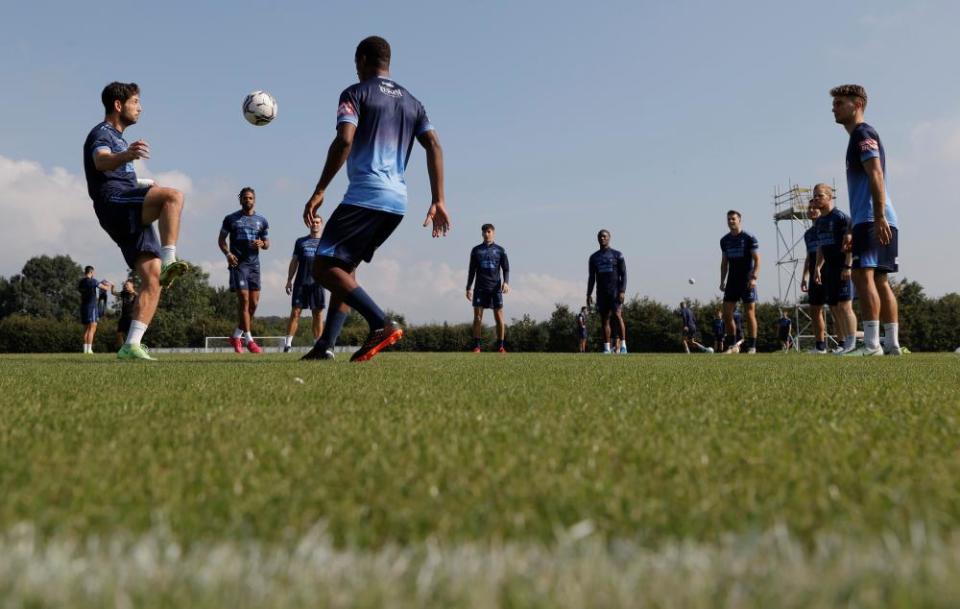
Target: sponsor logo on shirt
{"x":388,"y":88}
{"x":346,"y":109}
{"x":869,"y":144}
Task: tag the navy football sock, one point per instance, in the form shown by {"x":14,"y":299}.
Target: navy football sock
{"x":364,"y":305}
{"x":331,"y":329}
{"x":821,"y":345}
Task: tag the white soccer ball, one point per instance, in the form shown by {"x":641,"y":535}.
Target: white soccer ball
{"x":709,"y":349}
{"x":691,"y":281}
{"x":259,"y":108}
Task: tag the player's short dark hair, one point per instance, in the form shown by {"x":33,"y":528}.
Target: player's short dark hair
{"x":487,"y":227}
{"x":850,"y":91}
{"x":245,"y":190}
{"x":601,"y":231}
{"x":88,"y":269}
{"x":118,"y":91}
{"x":583,"y":309}
{"x":733,"y":212}
{"x":375,"y":50}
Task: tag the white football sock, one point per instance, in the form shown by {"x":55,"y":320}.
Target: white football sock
{"x":87,"y":348}
{"x":137,"y":329}
{"x":871,"y":334}
{"x":289,"y":342}
{"x":850,"y":342}
{"x":237,"y":333}
{"x":247,"y":337}
{"x":606,"y":346}
{"x":623,"y":344}
{"x":168,"y":254}
{"x":891,"y":335}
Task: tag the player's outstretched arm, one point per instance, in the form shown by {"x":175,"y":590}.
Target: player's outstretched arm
{"x":336,"y":156}
{"x":438,"y":208}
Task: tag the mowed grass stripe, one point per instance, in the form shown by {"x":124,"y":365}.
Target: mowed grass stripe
{"x":461,"y":447}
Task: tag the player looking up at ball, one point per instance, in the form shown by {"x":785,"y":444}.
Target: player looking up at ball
{"x":127,"y":211}
{"x":832,"y":270}
{"x":377,"y":122}
{"x":304,"y":291}
{"x":487,"y":261}
{"x":873,"y":237}
{"x":739,"y":269}
{"x":814,"y":289}
{"x":608,"y":270}
{"x":247,"y":231}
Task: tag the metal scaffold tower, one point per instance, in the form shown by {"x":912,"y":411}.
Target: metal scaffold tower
{"x":790,"y":220}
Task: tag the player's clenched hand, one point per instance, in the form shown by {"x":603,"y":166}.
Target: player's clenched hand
{"x":310,"y":209}
{"x":232,"y":260}
{"x":257,"y":243}
{"x":803,"y":285}
{"x":620,"y":297}
{"x":506,"y":289}
{"x":816,"y":277}
{"x":289,"y":288}
{"x":723,"y":285}
{"x":440,"y":218}
{"x":470,"y":295}
{"x":138,"y":150}
{"x":882,"y":229}
{"x":589,"y":301}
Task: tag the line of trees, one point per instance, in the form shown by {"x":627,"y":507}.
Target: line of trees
{"x":39,"y":310}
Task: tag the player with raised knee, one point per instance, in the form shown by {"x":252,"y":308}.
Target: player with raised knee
{"x":487,"y":261}
{"x":832,"y":270}
{"x":127,"y":209}
{"x":813,"y":289}
{"x":739,"y":270}
{"x":873,"y":237}
{"x":377,"y":123}
{"x":248,"y":234}
{"x":304,"y":290}
{"x":607,"y":268}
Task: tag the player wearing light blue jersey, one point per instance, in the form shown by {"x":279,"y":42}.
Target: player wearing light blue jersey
{"x":377,"y":123}
{"x":248,"y":233}
{"x":873,"y":237}
{"x":304,"y":291}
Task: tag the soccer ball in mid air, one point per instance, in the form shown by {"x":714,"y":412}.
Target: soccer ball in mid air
{"x":691,"y":281}
{"x":259,"y":108}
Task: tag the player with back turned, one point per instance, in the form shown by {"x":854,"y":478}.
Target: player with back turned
{"x":608,"y":270}
{"x":377,"y":123}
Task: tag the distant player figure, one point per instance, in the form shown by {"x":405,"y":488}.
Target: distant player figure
{"x":688,"y":332}
{"x":126,"y":211}
{"x":377,"y":122}
{"x":89,"y":312}
{"x":718,"y":331}
{"x":582,"y":329}
{"x":248,"y":234}
{"x":608,"y":270}
{"x":128,"y":300}
{"x":784,"y":325}
{"x":813,"y":289}
{"x":832,"y":269}
{"x":304,"y":290}
{"x":101,"y":302}
{"x":487,"y":261}
{"x":873,"y":237}
{"x":739,"y":269}
{"x":738,"y":333}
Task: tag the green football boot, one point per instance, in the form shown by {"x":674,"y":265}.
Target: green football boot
{"x":135,"y":352}
{"x":170,"y":272}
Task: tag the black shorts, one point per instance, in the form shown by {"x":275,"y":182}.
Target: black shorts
{"x":835,"y":289}
{"x":121,"y":215}
{"x":245,"y":276}
{"x":740,"y":291}
{"x":608,"y":303}
{"x":123,"y":325}
{"x":488,"y":299}
{"x":354,"y":233}
{"x":308,"y":297}
{"x":816,"y":294}
{"x":690,"y":333}
{"x":868,"y":253}
{"x":582,"y":333}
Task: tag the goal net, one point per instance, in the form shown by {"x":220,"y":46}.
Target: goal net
{"x":221,"y":344}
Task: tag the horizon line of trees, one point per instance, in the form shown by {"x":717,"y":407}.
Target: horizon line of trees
{"x":39,"y":310}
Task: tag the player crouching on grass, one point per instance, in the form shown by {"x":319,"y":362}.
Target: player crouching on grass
{"x":487,"y":260}
{"x":127,"y":210}
{"x":377,"y":122}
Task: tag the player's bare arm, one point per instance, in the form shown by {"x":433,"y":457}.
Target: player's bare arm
{"x":336,"y":156}
{"x":817,"y":268}
{"x":756,"y":269}
{"x":878,"y":193}
{"x":232,"y":260}
{"x":806,"y":274}
{"x":261,"y":244}
{"x":724,"y":263}
{"x":438,"y":208}
{"x":104,"y":160}
{"x":291,"y":272}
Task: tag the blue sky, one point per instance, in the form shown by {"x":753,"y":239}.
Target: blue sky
{"x":557,"y":119}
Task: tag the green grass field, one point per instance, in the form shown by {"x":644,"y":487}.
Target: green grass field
{"x":480,"y":481}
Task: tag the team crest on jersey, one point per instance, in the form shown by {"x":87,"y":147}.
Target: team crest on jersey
{"x":869,"y":144}
{"x":346,"y":108}
{"x":388,"y":88}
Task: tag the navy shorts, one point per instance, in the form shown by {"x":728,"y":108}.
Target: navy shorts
{"x":121,"y":215}
{"x":582,"y":333}
{"x":245,"y":276}
{"x":608,"y":303}
{"x":123,"y":326}
{"x":835,"y":289}
{"x":88,"y":314}
{"x":816,"y":293}
{"x":739,"y":291}
{"x":488,"y":299}
{"x":354,"y":233}
{"x":868,"y":253}
{"x":691,"y":334}
{"x":308,"y":297}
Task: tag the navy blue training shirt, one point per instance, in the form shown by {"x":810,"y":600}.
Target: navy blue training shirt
{"x":486,"y":262}
{"x":718,"y":327}
{"x":608,"y":269}
{"x":88,"y":291}
{"x":305,"y":250}
{"x":101,"y":184}
{"x":688,"y":318}
{"x":831,"y":229}
{"x":739,"y":250}
{"x":810,"y":240}
{"x":243,"y":230}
